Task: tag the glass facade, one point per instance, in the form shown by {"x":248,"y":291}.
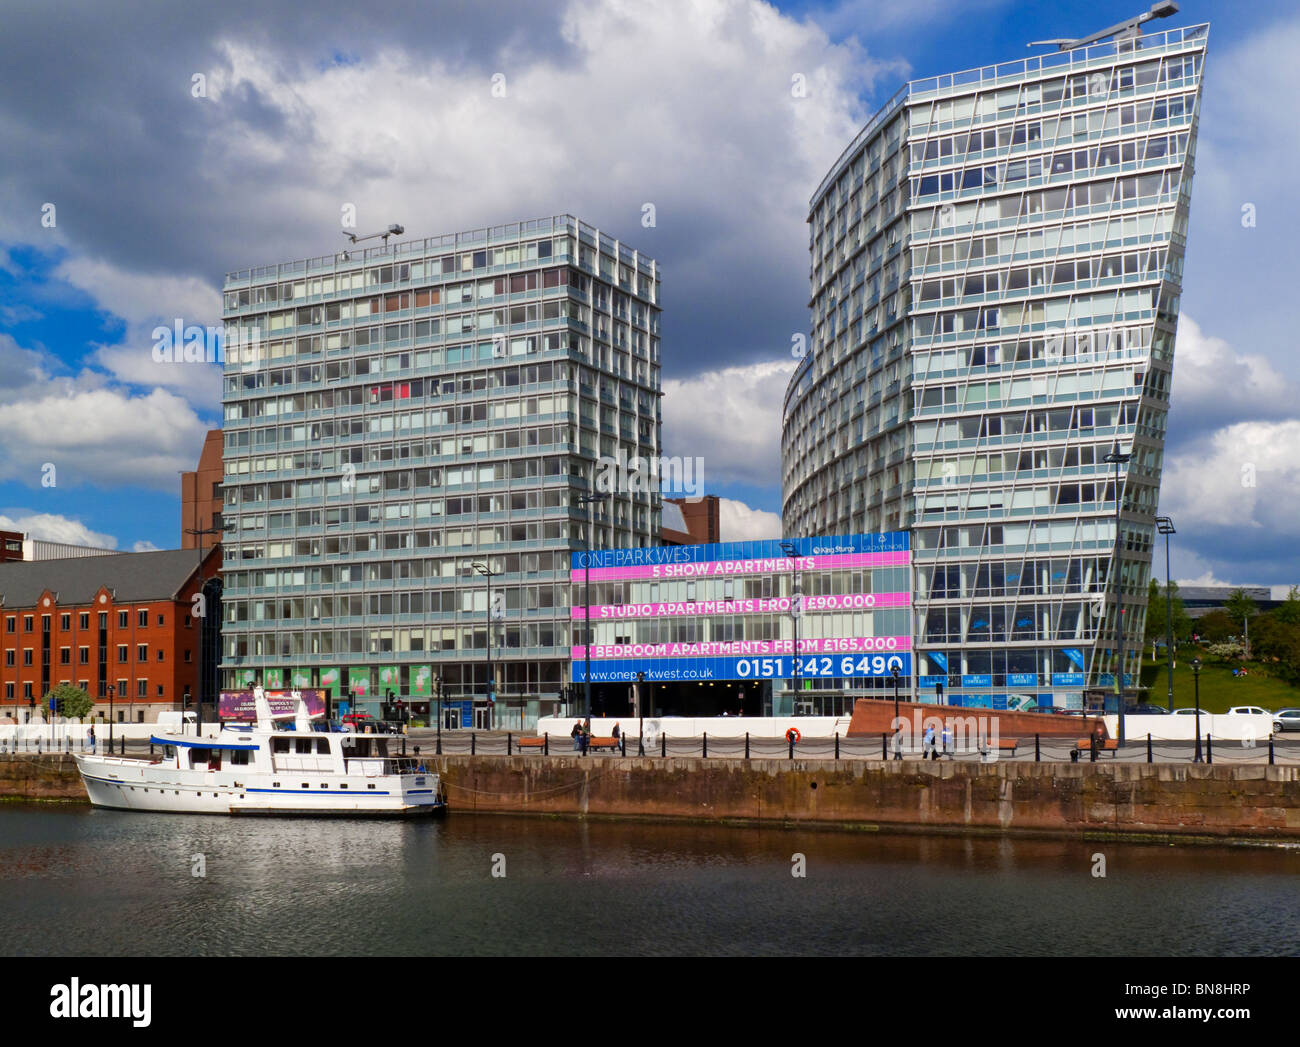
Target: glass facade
{"x":996,"y":270}
{"x":396,"y":415}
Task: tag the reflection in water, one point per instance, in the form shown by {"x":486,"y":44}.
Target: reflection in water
{"x":76,"y":881}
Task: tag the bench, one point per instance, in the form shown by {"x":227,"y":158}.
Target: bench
{"x":531,"y":743}
{"x":603,"y":743}
{"x":1104,"y":745}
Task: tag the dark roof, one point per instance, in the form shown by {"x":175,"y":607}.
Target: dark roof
{"x":132,"y":577}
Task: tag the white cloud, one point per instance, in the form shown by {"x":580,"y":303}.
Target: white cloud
{"x":732,"y":419}
{"x":103,"y":437}
{"x":737,"y":522}
{"x":144,"y":547}
{"x":52,"y":527}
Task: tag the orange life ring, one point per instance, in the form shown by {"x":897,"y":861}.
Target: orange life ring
{"x":793,"y":735}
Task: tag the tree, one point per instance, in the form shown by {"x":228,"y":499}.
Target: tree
{"x":1278,"y":641}
{"x":1214,"y":627}
{"x":1289,"y":612}
{"x":1239,"y":607}
{"x":1159,"y":608}
{"x":72,"y":702}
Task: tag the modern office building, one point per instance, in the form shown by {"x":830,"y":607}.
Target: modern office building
{"x":400,"y":420}
{"x":996,"y":265}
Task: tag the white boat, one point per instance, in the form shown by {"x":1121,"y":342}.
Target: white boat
{"x":269,"y":767}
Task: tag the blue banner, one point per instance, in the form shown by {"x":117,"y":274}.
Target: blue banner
{"x":684,"y":669}
{"x":1067,"y":679}
{"x":770,"y":549}
{"x":977,"y":680}
{"x":1022,"y":679}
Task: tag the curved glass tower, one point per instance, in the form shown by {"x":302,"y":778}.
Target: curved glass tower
{"x":996,"y":269}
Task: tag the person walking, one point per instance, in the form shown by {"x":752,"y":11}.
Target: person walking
{"x":947,"y":740}
{"x":927,"y":742}
{"x":586,"y":734}
{"x":90,"y":739}
{"x":576,"y":735}
{"x":898,"y":743}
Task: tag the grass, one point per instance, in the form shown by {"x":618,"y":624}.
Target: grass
{"x":1220,"y":690}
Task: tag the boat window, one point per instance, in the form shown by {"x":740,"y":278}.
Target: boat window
{"x":169,"y":751}
{"x":323,"y":745}
{"x":198,"y":756}
{"x":239,"y":756}
{"x":279,"y":745}
{"x":302,"y":745}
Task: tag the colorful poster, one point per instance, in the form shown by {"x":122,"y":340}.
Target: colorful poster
{"x":330,"y":678}
{"x":390,"y":679}
{"x":246,"y":677}
{"x":241,"y":707}
{"x":301,"y":678}
{"x":273,"y":679}
{"x":422,"y":680}
{"x":359,"y":682}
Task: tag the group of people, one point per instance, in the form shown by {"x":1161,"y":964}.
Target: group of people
{"x":581,"y":735}
{"x":929,"y":743}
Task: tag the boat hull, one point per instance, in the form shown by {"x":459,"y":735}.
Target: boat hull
{"x":123,"y":784}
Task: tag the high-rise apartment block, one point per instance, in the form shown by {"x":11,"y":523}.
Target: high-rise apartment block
{"x":409,"y":428}
{"x":996,"y":268}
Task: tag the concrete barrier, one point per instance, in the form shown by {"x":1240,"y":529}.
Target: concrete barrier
{"x":696,"y":726}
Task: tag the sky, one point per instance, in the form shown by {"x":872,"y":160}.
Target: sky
{"x":151,"y":149}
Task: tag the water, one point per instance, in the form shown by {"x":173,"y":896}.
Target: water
{"x":78,"y":881}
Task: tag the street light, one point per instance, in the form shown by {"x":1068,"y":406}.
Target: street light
{"x":1118,"y":458}
{"x":895,"y":670}
{"x":485,"y":570}
{"x":1196,"y":680}
{"x":587,"y":499}
{"x":791,"y":549}
{"x":1165,"y":526}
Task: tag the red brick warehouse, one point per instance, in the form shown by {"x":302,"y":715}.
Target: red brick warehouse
{"x":123,"y":622}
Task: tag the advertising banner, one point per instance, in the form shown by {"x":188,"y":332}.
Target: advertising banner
{"x":330,"y":678}
{"x":389,"y":679}
{"x":359,"y":682}
{"x":422,"y":680}
{"x":683,"y":669}
{"x":273,"y":679}
{"x":301,"y":678}
{"x":239,"y":705}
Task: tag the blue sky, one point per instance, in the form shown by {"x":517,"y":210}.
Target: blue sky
{"x":609,"y":105}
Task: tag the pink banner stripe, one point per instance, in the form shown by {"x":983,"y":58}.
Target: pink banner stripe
{"x":776,"y":605}
{"x":743,"y":568}
{"x":746,"y":648}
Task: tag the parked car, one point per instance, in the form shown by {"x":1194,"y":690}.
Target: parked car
{"x":1145,"y":710}
{"x":1248,"y":710}
{"x":1286,"y":720}
{"x":1189,"y":712}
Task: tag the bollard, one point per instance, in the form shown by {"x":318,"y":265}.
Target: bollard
{"x":746,"y":745}
{"x":663,"y":744}
{"x":791,"y":741}
{"x":1092,"y":747}
{"x":438,"y":747}
{"x":706,"y":745}
{"x":622,"y":744}
{"x":473,"y":744}
{"x":1038,"y":752}
{"x":1270,"y":750}
{"x":884,"y":747}
{"x":1209,"y":748}
{"x":546,"y":743}
{"x":509,"y":752}
{"x":1150,"y":758}
{"x":640,"y":745}
{"x":837,"y":745}
{"x":122,"y":751}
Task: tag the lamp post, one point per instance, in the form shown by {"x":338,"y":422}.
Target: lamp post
{"x":1118,"y":458}
{"x":791,"y":549}
{"x":1165,"y":526}
{"x":1196,"y":681}
{"x":894,"y":669}
{"x":587,"y":499}
{"x":488,"y":573}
